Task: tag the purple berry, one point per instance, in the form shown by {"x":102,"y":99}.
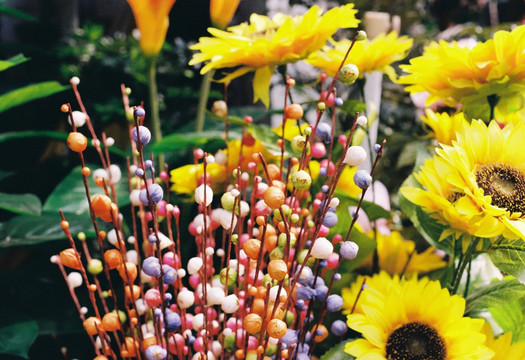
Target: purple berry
{"x":334,"y":303}
{"x":362,"y":179}
{"x":139,"y":112}
{"x":173,"y":321}
{"x":339,"y":327}
{"x":145,"y":135}
{"x":151,"y":266}
{"x":156,"y":352}
{"x":330,"y":219}
{"x":348,"y":250}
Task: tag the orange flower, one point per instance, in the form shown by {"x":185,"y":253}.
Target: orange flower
{"x":221,"y":12}
{"x":151,"y":17}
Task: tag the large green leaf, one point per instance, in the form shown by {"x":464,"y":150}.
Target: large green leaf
{"x":70,"y":195}
{"x":17,"y":333}
{"x":338,"y":352}
{"x":27,"y":204}
{"x":227,"y":119}
{"x":44,"y":134}
{"x":30,"y":230}
{"x":510,"y":317}
{"x":495,"y":294}
{"x":12,"y":61}
{"x":427,"y":226}
{"x":28,"y":93}
{"x":509,"y":256}
{"x":373,"y":211}
{"x":15,"y":13}
{"x":180,"y":141}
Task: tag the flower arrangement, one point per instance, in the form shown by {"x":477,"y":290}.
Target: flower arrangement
{"x":289,"y":243}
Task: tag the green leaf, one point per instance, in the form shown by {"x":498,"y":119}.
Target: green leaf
{"x":55,"y":135}
{"x":495,"y":294}
{"x":180,"y":141}
{"x":510,"y":317}
{"x":12,"y":61}
{"x":427,"y":226}
{"x":350,"y":107}
{"x":229,"y":119}
{"x":17,"y":333}
{"x":509,"y":256}
{"x":70,"y":195}
{"x":12,"y":12}
{"x":373,"y":211}
{"x":28,"y":93}
{"x":27,"y":204}
{"x":32,"y":134}
{"x":338,"y":352}
{"x":30,"y":230}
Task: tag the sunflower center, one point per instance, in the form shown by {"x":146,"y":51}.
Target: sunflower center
{"x":505,"y":184}
{"x":415,"y":341}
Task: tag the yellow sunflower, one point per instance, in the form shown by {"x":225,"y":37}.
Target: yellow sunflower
{"x":456,"y":74}
{"x":399,"y":256}
{"x":378,"y":282}
{"x":477,"y":184}
{"x":185,"y":179}
{"x":368,"y":55}
{"x":444,"y":127}
{"x":502,"y":346}
{"x":415,"y":319}
{"x":264,"y":43}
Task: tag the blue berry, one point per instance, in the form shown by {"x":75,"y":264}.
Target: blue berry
{"x":290,"y":337}
{"x":338,"y":101}
{"x":155,"y":191}
{"x":156,"y":352}
{"x":168,"y":297}
{"x":151,"y":266}
{"x":152,"y":238}
{"x":139,"y":112}
{"x":305,"y":293}
{"x":362,"y":179}
{"x":320,"y":293}
{"x":145,"y":135}
{"x":324,"y":132}
{"x":323,"y":263}
{"x":377,"y":147}
{"x":334,"y":303}
{"x":348,"y":250}
{"x":148,"y":164}
{"x":330,"y":219}
{"x":139,"y":172}
{"x":337,"y":276}
{"x":170,"y":274}
{"x":325,"y":188}
{"x":339,"y":327}
{"x":173,"y":321}
{"x":322,"y":171}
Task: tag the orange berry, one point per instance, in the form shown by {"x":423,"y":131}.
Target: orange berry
{"x":274,"y":197}
{"x":132,"y":313}
{"x":270,"y":242}
{"x":253,"y":323}
{"x":279,"y":313}
{"x":93,"y":325}
{"x":252,"y":291}
{"x":131,"y":345}
{"x":113,"y":258}
{"x":70,"y":258}
{"x":260,"y":349}
{"x":92,"y":287}
{"x":102,"y":234}
{"x":239,"y":354}
{"x":260,"y":220}
{"x":111,"y":322}
{"x":274,"y":171}
{"x":101,"y":205}
{"x":252,"y":247}
{"x":134,"y":320}
{"x":276,"y":328}
{"x":136,"y":292}
{"x":277,"y":269}
{"x":64,"y":108}
{"x":100,"y":357}
{"x":86,"y":171}
{"x":261,"y":292}
{"x":294,"y":111}
{"x":152,"y":340}
{"x":258,"y":306}
{"x":321,"y":331}
{"x":99,"y":181}
{"x":76,"y":141}
{"x":128,"y":271}
{"x":279,"y":142}
{"x":284,"y":353}
{"x":64,"y":224}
